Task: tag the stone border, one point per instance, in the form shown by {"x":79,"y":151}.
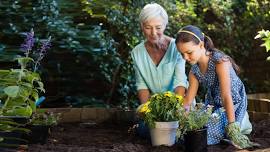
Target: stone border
{"x":101,"y":115}
{"x":258,"y":107}
{"x":97,"y":115}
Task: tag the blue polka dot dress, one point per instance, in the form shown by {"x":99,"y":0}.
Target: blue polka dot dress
{"x":216,"y":129}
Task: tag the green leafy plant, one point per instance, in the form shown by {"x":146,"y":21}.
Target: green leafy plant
{"x":265,"y":36}
{"x":20,"y":88}
{"x":196,"y":118}
{"x":161,"y":107}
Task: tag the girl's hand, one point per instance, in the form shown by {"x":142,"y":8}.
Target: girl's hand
{"x":187,"y":107}
{"x":238,"y":139}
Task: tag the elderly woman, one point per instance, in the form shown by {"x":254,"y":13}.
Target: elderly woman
{"x":158,"y":65}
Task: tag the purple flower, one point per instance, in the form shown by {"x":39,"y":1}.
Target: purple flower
{"x":45,"y":45}
{"x":28,"y":43}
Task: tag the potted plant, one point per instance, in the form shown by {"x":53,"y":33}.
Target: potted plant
{"x":161,"y":113}
{"x":193,"y":127}
{"x":40,"y":125}
{"x":20,"y":88}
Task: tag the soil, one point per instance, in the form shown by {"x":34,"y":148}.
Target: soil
{"x":108,"y":137}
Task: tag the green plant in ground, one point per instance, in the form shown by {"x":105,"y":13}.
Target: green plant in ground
{"x":161,"y":107}
{"x":20,"y":88}
{"x":265,"y":36}
{"x":9,"y":127}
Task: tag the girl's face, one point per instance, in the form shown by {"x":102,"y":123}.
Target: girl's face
{"x":190,"y":51}
{"x":153,"y":30}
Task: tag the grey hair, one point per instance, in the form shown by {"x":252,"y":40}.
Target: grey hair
{"x":151,"y":11}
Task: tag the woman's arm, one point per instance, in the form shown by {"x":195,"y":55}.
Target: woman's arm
{"x":223,"y":72}
{"x":192,"y":89}
{"x":179,"y":77}
{"x":143,"y":95}
{"x":143,"y":91}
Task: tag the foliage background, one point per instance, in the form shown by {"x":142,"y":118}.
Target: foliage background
{"x":89,"y":64}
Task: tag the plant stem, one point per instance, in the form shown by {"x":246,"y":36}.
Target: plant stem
{"x":6,"y":102}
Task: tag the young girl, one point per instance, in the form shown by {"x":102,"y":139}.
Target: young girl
{"x":225,"y":91}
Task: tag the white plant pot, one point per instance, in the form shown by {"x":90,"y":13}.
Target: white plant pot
{"x":164,"y":133}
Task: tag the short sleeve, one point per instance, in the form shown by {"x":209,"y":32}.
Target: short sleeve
{"x":180,"y":78}
{"x":195,"y":70}
{"x":219,"y":56}
{"x":140,"y":82}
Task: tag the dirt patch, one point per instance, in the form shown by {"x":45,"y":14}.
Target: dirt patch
{"x":90,"y":137}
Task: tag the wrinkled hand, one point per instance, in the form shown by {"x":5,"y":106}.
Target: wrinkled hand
{"x":139,"y":108}
{"x":138,"y":111}
{"x":238,"y":139}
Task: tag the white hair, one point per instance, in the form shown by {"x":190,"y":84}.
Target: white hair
{"x":151,"y":11}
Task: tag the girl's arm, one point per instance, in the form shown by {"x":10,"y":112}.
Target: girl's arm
{"x":223,"y":72}
{"x":192,"y":90}
{"x":232,"y":129}
{"x":180,"y":91}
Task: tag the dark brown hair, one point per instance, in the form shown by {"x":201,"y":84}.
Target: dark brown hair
{"x":198,"y":36}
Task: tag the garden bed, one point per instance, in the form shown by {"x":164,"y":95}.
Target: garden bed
{"x":114,"y":137}
{"x":106,"y":130}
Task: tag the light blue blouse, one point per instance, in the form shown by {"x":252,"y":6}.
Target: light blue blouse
{"x":169,"y":74}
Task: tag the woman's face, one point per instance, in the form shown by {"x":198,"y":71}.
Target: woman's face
{"x":153,"y":29}
{"x":190,"y":51}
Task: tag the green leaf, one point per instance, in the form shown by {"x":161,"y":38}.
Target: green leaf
{"x":31,"y":77}
{"x":41,"y":86}
{"x":267,"y":45}
{"x":24,"y":60}
{"x":265,"y":36}
{"x":24,"y":92}
{"x":20,"y":111}
{"x":32,"y":105}
{"x":4,"y":72}
{"x":12,"y":91}
{"x":35,"y":94}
